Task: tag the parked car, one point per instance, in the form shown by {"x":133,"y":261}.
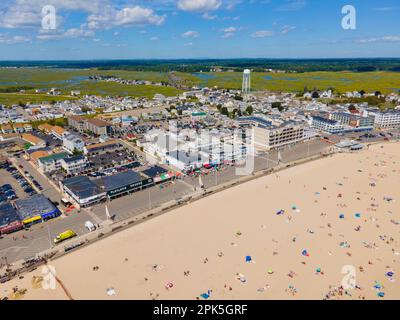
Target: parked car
{"x":90,"y":226}
{"x":3,"y":198}
{"x":6,"y":187}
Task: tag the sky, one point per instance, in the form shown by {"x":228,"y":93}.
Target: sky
{"x":174,"y":29}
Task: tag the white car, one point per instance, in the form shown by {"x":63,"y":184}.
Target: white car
{"x":90,"y":226}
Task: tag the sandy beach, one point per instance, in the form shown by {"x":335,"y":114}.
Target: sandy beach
{"x":284,"y":236}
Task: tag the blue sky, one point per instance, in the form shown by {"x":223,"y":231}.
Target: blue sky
{"x":130,"y":29}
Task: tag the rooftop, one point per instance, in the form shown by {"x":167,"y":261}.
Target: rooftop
{"x":54,"y":157}
{"x":82,"y":186}
{"x":119,"y":180}
{"x":8,"y":214}
{"x":74,"y":158}
{"x":33,"y":206}
{"x":321,"y":119}
{"x":258,"y":120}
{"x":31,"y":138}
{"x":154,"y":171}
{"x":98,"y":122}
{"x":101,"y":145}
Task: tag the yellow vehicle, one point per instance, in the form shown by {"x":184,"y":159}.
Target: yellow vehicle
{"x":64,"y":236}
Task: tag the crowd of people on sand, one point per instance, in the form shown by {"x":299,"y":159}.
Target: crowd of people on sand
{"x":371,"y":214}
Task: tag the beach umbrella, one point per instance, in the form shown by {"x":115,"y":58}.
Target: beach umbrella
{"x":358,"y":215}
{"x":270,"y":271}
{"x":381,"y":294}
{"x":341,"y":216}
{"x":390,"y":274}
{"x":248,"y":259}
{"x":377,"y":286}
{"x":305,"y":253}
{"x":169,"y":285}
{"x":205,"y":295}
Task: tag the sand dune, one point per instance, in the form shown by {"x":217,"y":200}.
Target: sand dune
{"x":342,"y":210}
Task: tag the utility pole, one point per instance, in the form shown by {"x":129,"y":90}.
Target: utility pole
{"x":149,"y":199}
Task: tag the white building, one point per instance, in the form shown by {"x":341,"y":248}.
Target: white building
{"x":183,"y":160}
{"x":385,"y":120}
{"x":72,"y":142}
{"x":75,"y":164}
{"x":52,"y":162}
{"x":326,"y":125}
{"x":272,"y":137}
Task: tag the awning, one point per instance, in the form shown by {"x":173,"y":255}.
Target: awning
{"x":33,"y":219}
{"x":11,"y":227}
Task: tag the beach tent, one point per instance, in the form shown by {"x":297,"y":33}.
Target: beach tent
{"x":248,"y":259}
{"x":341,"y":216}
{"x":305,"y":253}
{"x":390,"y":274}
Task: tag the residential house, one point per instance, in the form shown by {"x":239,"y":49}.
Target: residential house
{"x":51,"y":162}
{"x":75,"y":164}
{"x":72,"y":143}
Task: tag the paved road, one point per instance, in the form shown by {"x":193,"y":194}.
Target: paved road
{"x":144,"y":200}
{"x":27,"y":243}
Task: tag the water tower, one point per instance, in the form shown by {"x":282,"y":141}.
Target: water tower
{"x":246,"y":81}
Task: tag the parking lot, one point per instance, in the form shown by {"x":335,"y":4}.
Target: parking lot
{"x":14,"y":185}
{"x":48,"y":189}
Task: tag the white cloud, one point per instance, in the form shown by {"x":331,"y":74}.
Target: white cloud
{"x":7,"y":39}
{"x":190,"y":34}
{"x":154,"y":38}
{"x":286,"y":29}
{"x":103,"y":14}
{"x":292,"y":5}
{"x":379,"y":39}
{"x":227,"y":35}
{"x":199,"y":5}
{"x":387,"y":9}
{"x":232,"y":4}
{"x":229,"y":29}
{"x":207,"y":16}
{"x":262,"y":34}
{"x":229,"y":32}
{"x":70,"y":33}
{"x":129,"y":16}
{"x":28,"y":13}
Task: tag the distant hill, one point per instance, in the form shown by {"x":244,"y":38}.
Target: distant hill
{"x":196,"y":65}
